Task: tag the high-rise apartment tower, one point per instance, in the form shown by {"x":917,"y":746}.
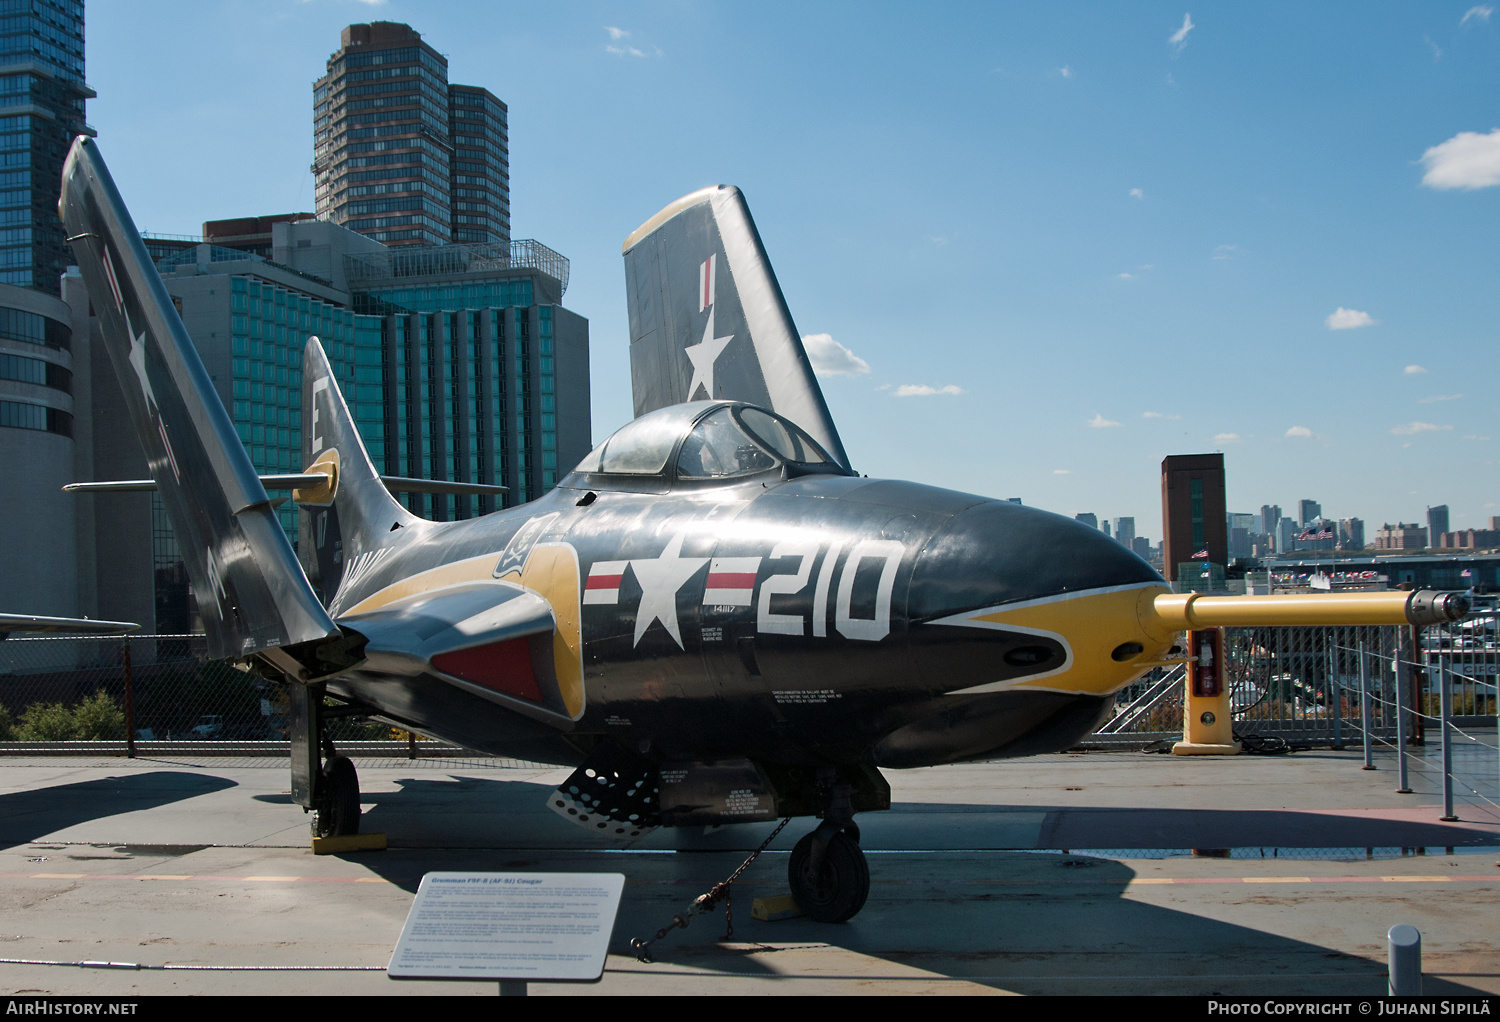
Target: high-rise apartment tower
{"x":402,"y":156}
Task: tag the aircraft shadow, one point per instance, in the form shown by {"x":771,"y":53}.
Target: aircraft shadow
{"x":28,"y":815}
{"x":1032,"y":922}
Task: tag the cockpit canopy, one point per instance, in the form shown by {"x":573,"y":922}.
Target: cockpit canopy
{"x":708,"y":440}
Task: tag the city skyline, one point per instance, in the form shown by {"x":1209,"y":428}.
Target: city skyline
{"x":1111,"y":247}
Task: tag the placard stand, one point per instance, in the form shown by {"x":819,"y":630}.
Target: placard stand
{"x":517,"y":928}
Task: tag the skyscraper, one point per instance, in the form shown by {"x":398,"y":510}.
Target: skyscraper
{"x":1088,"y":518}
{"x":1308,"y":511}
{"x":481,"y":166}
{"x":399,"y":154}
{"x":42,"y":93}
{"x":1437,"y":523}
{"x":1270,"y":517}
{"x":1125,"y":531}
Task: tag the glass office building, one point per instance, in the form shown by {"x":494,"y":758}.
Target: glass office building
{"x":456,"y":366}
{"x":42,"y":94}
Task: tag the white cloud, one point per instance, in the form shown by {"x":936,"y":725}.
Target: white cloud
{"x":1225,"y":251}
{"x":1124,"y":276}
{"x":1065,"y":71}
{"x":616,"y":33}
{"x":1136,"y":193}
{"x":1160,"y":415}
{"x":1437,"y":51}
{"x":1414,"y":370}
{"x":1413,"y":428}
{"x":1227,"y":438}
{"x":1301,"y":431}
{"x":1476,"y":436}
{"x":1100,"y":422}
{"x":1439,"y":397}
{"x":1348,"y":319}
{"x":830,"y":358}
{"x":1468,"y":161}
{"x":922,"y":390}
{"x":1480,"y":12}
{"x":1062,"y":471}
{"x":1179,"y":38}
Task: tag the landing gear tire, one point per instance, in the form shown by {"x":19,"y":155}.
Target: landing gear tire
{"x":836,"y":888}
{"x":337,"y":814}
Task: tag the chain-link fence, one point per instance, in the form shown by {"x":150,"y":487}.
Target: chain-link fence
{"x":156,"y":687}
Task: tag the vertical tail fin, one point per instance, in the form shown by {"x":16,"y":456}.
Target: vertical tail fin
{"x":707,"y":318}
{"x":355,"y":515}
{"x":252,"y":593}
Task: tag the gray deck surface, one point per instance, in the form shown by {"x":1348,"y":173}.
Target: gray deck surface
{"x":1044,"y":875}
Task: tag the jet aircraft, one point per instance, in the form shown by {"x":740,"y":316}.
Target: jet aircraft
{"x":713,"y":617}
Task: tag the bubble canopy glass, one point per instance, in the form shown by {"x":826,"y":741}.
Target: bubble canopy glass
{"x":719,"y":440}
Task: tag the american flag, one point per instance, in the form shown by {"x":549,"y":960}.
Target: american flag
{"x":1201,"y":554}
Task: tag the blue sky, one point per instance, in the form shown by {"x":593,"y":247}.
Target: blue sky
{"x":1066,"y":239}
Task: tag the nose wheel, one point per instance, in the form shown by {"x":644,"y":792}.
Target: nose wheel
{"x":828,"y":873}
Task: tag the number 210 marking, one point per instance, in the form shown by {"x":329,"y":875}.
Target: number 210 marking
{"x":871,"y":629}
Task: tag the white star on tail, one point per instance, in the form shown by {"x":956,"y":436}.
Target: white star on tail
{"x":138,"y":363}
{"x":660,"y":578}
{"x":703,"y":355}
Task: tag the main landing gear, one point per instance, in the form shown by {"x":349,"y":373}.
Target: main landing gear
{"x":829,"y":876}
{"x":336,"y":807}
{"x":322,"y":781}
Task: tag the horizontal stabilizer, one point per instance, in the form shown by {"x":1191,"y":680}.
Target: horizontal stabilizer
{"x":406,"y":484}
{"x":30,"y":623}
{"x":490,"y":638}
{"x":299,"y":480}
{"x":251,"y":591}
{"x":707,"y":318}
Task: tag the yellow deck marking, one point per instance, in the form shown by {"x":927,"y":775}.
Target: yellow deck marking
{"x":1415,"y":880}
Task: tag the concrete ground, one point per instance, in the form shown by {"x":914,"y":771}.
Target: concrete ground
{"x":1056,"y":874}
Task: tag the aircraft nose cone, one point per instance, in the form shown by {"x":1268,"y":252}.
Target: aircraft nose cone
{"x":998,"y":553}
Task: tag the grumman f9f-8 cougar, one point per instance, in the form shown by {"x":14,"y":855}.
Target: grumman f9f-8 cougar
{"x":712,"y":617}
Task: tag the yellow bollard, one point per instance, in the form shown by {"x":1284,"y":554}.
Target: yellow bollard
{"x":1207,"y":719}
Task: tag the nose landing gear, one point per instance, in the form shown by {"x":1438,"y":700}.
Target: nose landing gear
{"x":829,"y":875}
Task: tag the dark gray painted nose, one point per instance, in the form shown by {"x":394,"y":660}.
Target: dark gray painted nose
{"x":998,"y":552}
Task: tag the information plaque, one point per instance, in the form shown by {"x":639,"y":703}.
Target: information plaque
{"x":512,"y":927}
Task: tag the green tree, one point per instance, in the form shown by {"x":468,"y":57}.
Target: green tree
{"x":98,"y":719}
{"x":6,"y":727}
{"x":45,"y":722}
